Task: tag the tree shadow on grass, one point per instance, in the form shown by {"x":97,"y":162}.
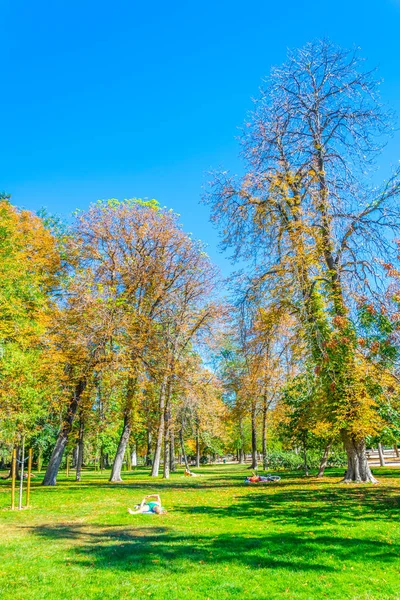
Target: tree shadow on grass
{"x":225,"y":480}
{"x":315,"y":507}
{"x":218,"y":480}
{"x":145,"y":549}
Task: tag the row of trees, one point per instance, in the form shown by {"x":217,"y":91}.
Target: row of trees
{"x":103,"y":323}
{"x":113,"y":331}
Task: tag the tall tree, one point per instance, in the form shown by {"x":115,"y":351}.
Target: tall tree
{"x":29,"y":269}
{"x":307,"y":214}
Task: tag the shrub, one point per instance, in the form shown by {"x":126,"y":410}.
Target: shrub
{"x":280,"y":459}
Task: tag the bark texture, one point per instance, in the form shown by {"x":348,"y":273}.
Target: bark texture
{"x":50,"y":477}
{"x":324,"y":460}
{"x":115,"y":476}
{"x":358,"y":470}
{"x":381,"y":455}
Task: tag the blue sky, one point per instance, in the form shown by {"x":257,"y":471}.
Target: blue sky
{"x":122,"y":99}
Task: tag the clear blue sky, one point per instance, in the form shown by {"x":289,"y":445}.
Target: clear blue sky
{"x":124,"y":98}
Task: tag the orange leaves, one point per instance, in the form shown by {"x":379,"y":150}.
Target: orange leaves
{"x":340,"y":322}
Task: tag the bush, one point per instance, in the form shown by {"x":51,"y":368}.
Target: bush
{"x":280,"y":459}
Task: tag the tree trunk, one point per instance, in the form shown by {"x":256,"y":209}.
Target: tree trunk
{"x":167,"y":444}
{"x":358,"y":470}
{"x":172,"y":465}
{"x":324,"y":459}
{"x":254,"y":461}
{"x":133,"y":456}
{"x":50,"y":477}
{"x":381,"y":455}
{"x":39,"y":461}
{"x":241,"y":449}
{"x":396,"y":450}
{"x":102,"y":459}
{"x":17,"y":464}
{"x":128,"y":458}
{"x":148,"y":453}
{"x":183,"y":447}
{"x":264,"y":437}
{"x":74,"y":456}
{"x":157,"y":452}
{"x":115,"y":476}
{"x":305,"y":460}
{"x":197,"y":445}
{"x":80,"y":450}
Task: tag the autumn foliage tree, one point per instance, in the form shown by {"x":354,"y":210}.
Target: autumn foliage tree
{"x":306,"y":211}
{"x":29,"y":268}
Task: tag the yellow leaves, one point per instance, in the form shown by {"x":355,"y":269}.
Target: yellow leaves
{"x":340,"y":322}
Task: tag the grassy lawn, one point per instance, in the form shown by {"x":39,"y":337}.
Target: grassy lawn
{"x":299,"y":538}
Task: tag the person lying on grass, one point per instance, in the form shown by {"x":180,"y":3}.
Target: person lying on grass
{"x":189,"y":473}
{"x":261,"y":478}
{"x":148,"y":507}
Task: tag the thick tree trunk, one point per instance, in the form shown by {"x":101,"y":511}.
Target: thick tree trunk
{"x":358,"y":470}
{"x":157,"y":452}
{"x":50,"y":477}
{"x":254,"y":461}
{"x":381,"y":455}
{"x":115,"y":476}
{"x":324,"y":460}
{"x":241,"y":456}
{"x":80,"y":450}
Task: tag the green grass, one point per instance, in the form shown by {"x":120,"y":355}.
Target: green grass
{"x":300,"y":538}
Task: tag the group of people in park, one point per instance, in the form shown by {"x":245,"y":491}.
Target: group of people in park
{"x":151,"y":504}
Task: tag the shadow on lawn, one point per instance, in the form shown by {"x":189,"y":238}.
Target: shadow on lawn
{"x":290,"y":481}
{"x":311,"y":507}
{"x":148,"y":548}
{"x":207,"y":480}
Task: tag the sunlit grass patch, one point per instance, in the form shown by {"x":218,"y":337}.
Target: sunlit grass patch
{"x":299,"y":538}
